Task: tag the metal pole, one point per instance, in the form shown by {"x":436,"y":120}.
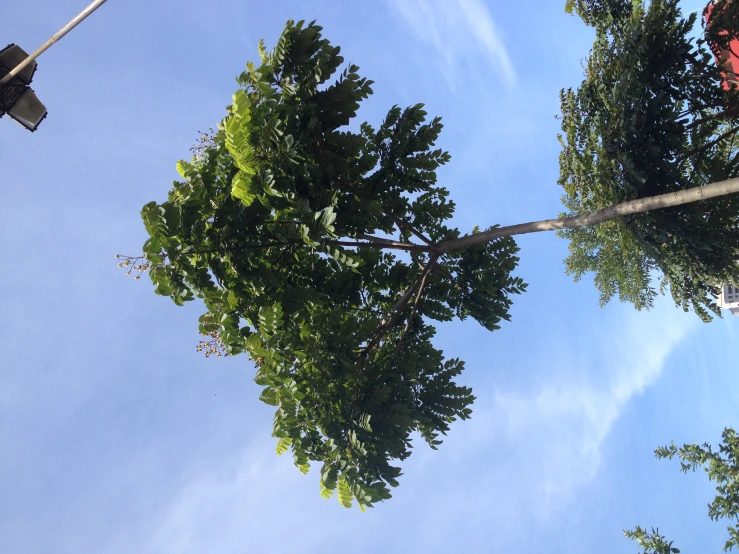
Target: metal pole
{"x":59,"y":34}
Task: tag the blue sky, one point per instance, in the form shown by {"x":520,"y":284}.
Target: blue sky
{"x":117,"y":437}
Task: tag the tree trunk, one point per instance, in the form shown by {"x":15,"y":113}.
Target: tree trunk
{"x":640,"y":205}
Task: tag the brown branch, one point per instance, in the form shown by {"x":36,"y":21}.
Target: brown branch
{"x":438,"y":269}
{"x":373,"y":242}
{"x":419,"y":263}
{"x":695,"y":108}
{"x":392,"y":316}
{"x":402,"y":223}
{"x":729,"y":112}
{"x":415,"y":307}
{"x":380,"y":240}
{"x":714,"y":142}
{"x":389,"y":243}
{"x":377,"y":242}
{"x":267,"y":244}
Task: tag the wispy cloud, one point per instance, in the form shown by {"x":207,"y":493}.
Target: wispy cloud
{"x":219,"y":509}
{"x":463,"y":33}
{"x":567,"y":421}
{"x":246,"y":500}
{"x":525,"y":457}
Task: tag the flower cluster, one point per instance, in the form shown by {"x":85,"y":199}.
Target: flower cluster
{"x":204,"y":141}
{"x":133,"y":264}
{"x":213,"y":346}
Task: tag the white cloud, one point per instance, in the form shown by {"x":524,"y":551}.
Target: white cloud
{"x":218,"y":509}
{"x":236,"y":503}
{"x":565,"y":423}
{"x":463,"y":33}
{"x":524,"y":459}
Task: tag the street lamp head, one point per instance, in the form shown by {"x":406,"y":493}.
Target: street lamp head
{"x":16,"y":98}
{"x":11,"y":56}
{"x":28,"y":110}
{"x":16,"y":72}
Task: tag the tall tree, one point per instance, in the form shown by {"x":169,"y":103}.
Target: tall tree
{"x":651,"y":117}
{"x":722,"y":467}
{"x":324,"y":252}
{"x":275,"y":227}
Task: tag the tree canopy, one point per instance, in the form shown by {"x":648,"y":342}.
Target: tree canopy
{"x":322,"y":249}
{"x":650,"y":118}
{"x":283,"y":224}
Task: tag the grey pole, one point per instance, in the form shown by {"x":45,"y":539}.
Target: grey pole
{"x":59,"y":34}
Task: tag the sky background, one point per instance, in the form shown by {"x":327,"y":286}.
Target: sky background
{"x":117,"y":437}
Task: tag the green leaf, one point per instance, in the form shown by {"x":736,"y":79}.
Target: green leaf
{"x":185,"y":169}
{"x":269,"y":396}
{"x":243,"y":188}
{"x":344,"y":493}
{"x":283,"y":445}
{"x":270,"y":319}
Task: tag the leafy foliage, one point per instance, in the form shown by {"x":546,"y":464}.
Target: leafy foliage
{"x":721,"y":467}
{"x":650,"y":118}
{"x":651,"y":541}
{"x":275,"y":225}
{"x":600,"y":12}
{"x":721,"y":28}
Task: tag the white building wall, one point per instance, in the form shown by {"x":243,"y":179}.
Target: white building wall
{"x":729,"y":299}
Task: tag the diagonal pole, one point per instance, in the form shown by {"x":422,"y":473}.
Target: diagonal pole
{"x":59,"y":34}
{"x":638,"y":206}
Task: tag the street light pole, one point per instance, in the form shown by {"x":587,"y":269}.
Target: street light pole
{"x":59,"y":34}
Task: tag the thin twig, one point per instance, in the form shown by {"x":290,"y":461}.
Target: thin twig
{"x":394,"y":313}
{"x":376,"y":242}
{"x":714,"y":142}
{"x":729,"y":112}
{"x":402,"y":223}
{"x":413,"y":311}
{"x":438,"y":269}
{"x":389,"y":319}
{"x":363,"y":310}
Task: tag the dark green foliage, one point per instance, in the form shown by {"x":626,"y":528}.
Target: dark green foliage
{"x":274,"y":227}
{"x":722,"y":28}
{"x":595,"y":12}
{"x":721,"y":467}
{"x":649,"y":118}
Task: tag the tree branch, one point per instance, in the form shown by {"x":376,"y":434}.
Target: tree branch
{"x":395,"y":311}
{"x":415,"y":307}
{"x":377,"y":242}
{"x":714,"y":142}
{"x":729,"y":112}
{"x":438,"y":268}
{"x":671,"y":199}
{"x":404,"y":224}
{"x":373,"y":242}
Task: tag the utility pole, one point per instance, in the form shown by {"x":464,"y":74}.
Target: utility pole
{"x":17,"y":69}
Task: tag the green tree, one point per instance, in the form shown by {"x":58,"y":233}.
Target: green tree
{"x":323,"y":252}
{"x":274,"y":227}
{"x":721,"y":467}
{"x":651,"y":117}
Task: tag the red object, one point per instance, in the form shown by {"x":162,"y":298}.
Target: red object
{"x":727,"y":58}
